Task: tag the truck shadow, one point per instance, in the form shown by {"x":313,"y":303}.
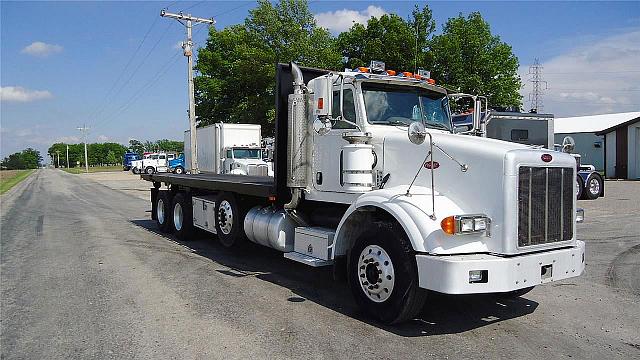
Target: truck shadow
{"x":443,"y":314}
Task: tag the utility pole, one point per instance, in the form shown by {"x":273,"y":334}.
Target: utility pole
{"x":84,"y":130}
{"x":187,"y":20}
{"x":67,"y":158}
{"x":58,"y":153}
{"x":539,"y":86}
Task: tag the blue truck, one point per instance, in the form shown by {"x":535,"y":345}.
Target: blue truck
{"x":177,"y":165}
{"x":127,"y":158}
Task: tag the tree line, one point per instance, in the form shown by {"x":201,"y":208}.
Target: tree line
{"x":236,"y":80}
{"x":107,"y":153}
{"x":28,"y":158}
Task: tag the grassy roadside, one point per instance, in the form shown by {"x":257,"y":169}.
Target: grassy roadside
{"x":9,"y":178}
{"x":80,"y":170}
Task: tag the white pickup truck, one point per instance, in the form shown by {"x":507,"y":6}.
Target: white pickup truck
{"x":152,"y":163}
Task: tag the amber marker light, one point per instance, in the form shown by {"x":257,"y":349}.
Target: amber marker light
{"x":448,"y":225}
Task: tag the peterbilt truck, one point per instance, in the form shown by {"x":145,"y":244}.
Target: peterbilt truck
{"x":372,"y":180}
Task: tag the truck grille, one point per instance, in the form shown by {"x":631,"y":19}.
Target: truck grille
{"x":258,"y":170}
{"x":545,"y":205}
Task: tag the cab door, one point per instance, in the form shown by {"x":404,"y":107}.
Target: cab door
{"x":327,"y":148}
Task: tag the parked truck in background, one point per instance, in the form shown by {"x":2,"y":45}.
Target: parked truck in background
{"x":536,"y":130}
{"x":371,"y":179}
{"x":127,"y":158}
{"x":152,"y":163}
{"x":177,"y":165}
{"x":228,"y":149}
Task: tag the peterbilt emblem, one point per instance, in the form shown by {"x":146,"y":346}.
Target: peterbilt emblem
{"x":310,"y":249}
{"x":431,"y":165}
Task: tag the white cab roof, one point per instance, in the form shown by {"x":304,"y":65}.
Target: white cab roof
{"x":592,"y":123}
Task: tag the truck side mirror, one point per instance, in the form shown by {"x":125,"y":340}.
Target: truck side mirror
{"x":323,"y":96}
{"x":417,"y":132}
{"x":322,"y":126}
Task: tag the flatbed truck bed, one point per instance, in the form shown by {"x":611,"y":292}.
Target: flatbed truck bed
{"x":260,"y":186}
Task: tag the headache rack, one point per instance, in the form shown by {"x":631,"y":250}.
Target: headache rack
{"x":545,"y":205}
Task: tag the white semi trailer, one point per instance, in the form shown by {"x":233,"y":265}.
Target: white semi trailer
{"x":371,"y":179}
{"x":228,"y":149}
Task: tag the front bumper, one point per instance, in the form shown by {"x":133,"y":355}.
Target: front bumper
{"x":450,"y":274}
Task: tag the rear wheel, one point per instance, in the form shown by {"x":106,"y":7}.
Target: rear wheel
{"x":163,"y":210}
{"x":580,"y":184}
{"x":149,"y":170}
{"x":182,"y":216}
{"x":135,"y":170}
{"x":179,"y":170}
{"x":593,"y":187}
{"x":383,"y":275}
{"x":230,"y":221}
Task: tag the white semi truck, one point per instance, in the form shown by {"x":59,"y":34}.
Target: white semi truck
{"x":228,"y":149}
{"x":371,"y":179}
{"x":152,"y":163}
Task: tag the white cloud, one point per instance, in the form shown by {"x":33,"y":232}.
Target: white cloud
{"x":67,"y":140}
{"x":103,"y":138}
{"x":342,"y":20}
{"x":600,"y":77}
{"x":20,"y":94}
{"x":41,"y":49}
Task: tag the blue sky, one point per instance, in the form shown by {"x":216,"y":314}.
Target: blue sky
{"x":60,"y":60}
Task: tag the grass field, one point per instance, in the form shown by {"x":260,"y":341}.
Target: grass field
{"x":80,"y":170}
{"x":9,"y":178}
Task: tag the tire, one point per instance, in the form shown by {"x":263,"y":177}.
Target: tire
{"x":149,"y":170}
{"x":182,"y":217}
{"x":126,"y":168}
{"x":230,"y":221}
{"x":580,"y":192}
{"x":163,"y":212}
{"x":385,"y":250}
{"x":593,"y":187}
{"x":135,"y":170}
{"x":179,"y":170}
{"x":515,"y":293}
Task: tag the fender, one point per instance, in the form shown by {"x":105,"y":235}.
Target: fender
{"x":412,"y":213}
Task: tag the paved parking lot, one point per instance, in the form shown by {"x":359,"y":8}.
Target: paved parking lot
{"x":86,"y":275}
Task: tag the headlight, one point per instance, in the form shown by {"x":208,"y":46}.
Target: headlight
{"x":466,"y":224}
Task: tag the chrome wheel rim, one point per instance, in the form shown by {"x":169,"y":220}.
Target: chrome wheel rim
{"x":160,"y":211}
{"x":577,"y":187}
{"x":375,"y":273}
{"x":179,"y":171}
{"x":594,"y":186}
{"x":225,"y":217}
{"x":177,"y":216}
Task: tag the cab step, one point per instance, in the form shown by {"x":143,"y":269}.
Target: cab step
{"x":307,"y":260}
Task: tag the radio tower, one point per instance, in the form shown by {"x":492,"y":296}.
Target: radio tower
{"x":539,"y":86}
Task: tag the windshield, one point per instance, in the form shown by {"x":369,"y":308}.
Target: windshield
{"x":247,"y":154}
{"x":402,"y":105}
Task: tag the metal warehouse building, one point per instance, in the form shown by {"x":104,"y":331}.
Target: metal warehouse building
{"x":610,"y":142}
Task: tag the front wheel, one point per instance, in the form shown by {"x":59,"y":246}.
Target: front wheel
{"x":383,"y":275}
{"x":179,"y":170}
{"x":135,"y":171}
{"x":149,"y":170}
{"x":580,"y":185}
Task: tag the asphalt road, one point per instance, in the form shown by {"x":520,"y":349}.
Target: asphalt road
{"x":85,"y":275}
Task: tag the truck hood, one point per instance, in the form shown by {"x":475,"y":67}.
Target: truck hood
{"x":487,"y":185}
{"x":249,"y":161}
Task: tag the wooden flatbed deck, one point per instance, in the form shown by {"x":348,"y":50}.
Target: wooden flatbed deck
{"x":261,"y":186}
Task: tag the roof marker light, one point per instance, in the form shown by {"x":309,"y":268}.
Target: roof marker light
{"x":363,"y":69}
{"x":407,"y":74}
{"x":391,"y":72}
{"x":431,"y":81}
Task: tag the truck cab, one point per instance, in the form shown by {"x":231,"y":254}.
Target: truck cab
{"x":244,"y":161}
{"x":152,"y":163}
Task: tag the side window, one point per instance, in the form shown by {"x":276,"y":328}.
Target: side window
{"x":229,"y":154}
{"x":154,"y":157}
{"x":348,"y":108}
{"x":162,"y":157}
{"x":519,"y":135}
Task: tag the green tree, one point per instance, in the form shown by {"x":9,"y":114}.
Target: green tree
{"x":28,"y":158}
{"x":237,"y":66}
{"x":170,"y":145}
{"x":468,"y":58}
{"x":389,"y":38}
{"x":111,"y":158}
{"x":136,"y":146}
